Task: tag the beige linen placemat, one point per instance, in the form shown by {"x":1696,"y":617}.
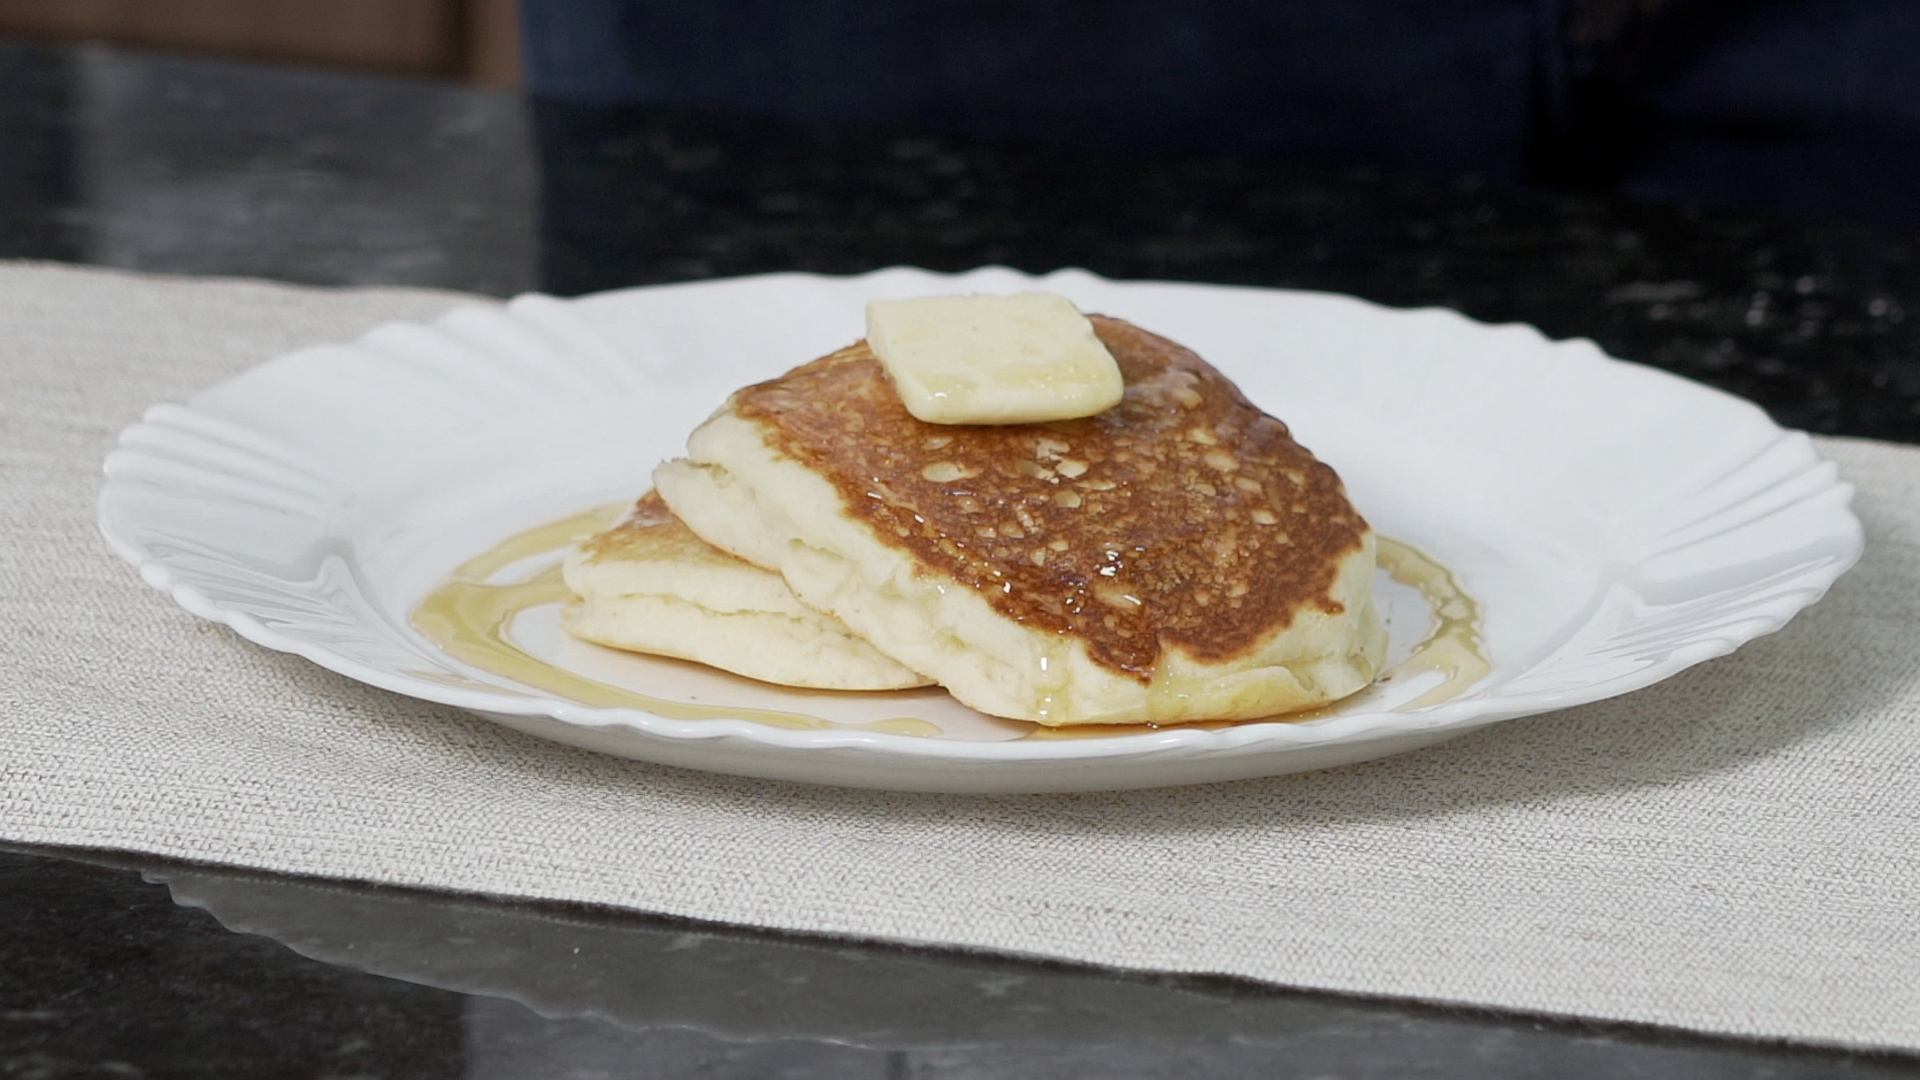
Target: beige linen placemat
{"x":1736,"y":850}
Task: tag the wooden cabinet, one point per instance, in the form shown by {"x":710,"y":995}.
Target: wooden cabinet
{"x":467,"y":39}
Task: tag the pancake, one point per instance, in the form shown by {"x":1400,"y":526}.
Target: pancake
{"x":650,"y":585}
{"x":1177,"y":557}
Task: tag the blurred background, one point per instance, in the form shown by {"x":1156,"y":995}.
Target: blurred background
{"x":1806,"y":106}
{"x":1726,"y":188}
{"x":474,"y":40}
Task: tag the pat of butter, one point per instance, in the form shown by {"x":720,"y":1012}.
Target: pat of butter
{"x":1019,"y":359}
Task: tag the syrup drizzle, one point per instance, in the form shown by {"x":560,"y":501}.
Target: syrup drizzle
{"x":469,"y":617}
{"x":1453,"y":649}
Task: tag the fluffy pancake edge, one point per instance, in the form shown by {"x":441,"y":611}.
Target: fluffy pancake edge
{"x":739,"y":493}
{"x":674,"y":595}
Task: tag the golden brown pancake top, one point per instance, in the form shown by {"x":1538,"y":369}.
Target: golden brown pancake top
{"x":1182,"y":516}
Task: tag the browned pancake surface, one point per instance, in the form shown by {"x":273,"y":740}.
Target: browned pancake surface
{"x":651,"y":520}
{"x":1182,"y":516}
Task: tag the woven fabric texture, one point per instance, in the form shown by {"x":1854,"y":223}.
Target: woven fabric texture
{"x":1736,"y":850}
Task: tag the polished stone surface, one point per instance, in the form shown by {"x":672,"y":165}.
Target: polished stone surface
{"x":123,"y":967}
{"x":1819,"y":322}
{"x":120,"y":967}
{"x":193,"y":167}
{"x":188,"y":166}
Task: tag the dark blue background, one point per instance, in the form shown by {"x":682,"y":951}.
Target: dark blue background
{"x":1807,"y":106}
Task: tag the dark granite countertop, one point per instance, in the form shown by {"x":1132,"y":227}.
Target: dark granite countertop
{"x":117,"y":966}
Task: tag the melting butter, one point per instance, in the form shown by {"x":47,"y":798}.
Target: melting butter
{"x":469,"y":616}
{"x":1021,"y":359}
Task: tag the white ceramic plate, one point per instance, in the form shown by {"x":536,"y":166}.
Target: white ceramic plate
{"x":1617,"y":524}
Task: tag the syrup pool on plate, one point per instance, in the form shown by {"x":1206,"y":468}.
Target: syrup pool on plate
{"x":500,"y":612}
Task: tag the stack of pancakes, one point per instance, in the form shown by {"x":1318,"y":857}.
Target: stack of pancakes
{"x":1177,"y":557}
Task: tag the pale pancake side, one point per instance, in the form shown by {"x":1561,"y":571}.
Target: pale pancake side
{"x":650,"y":585}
